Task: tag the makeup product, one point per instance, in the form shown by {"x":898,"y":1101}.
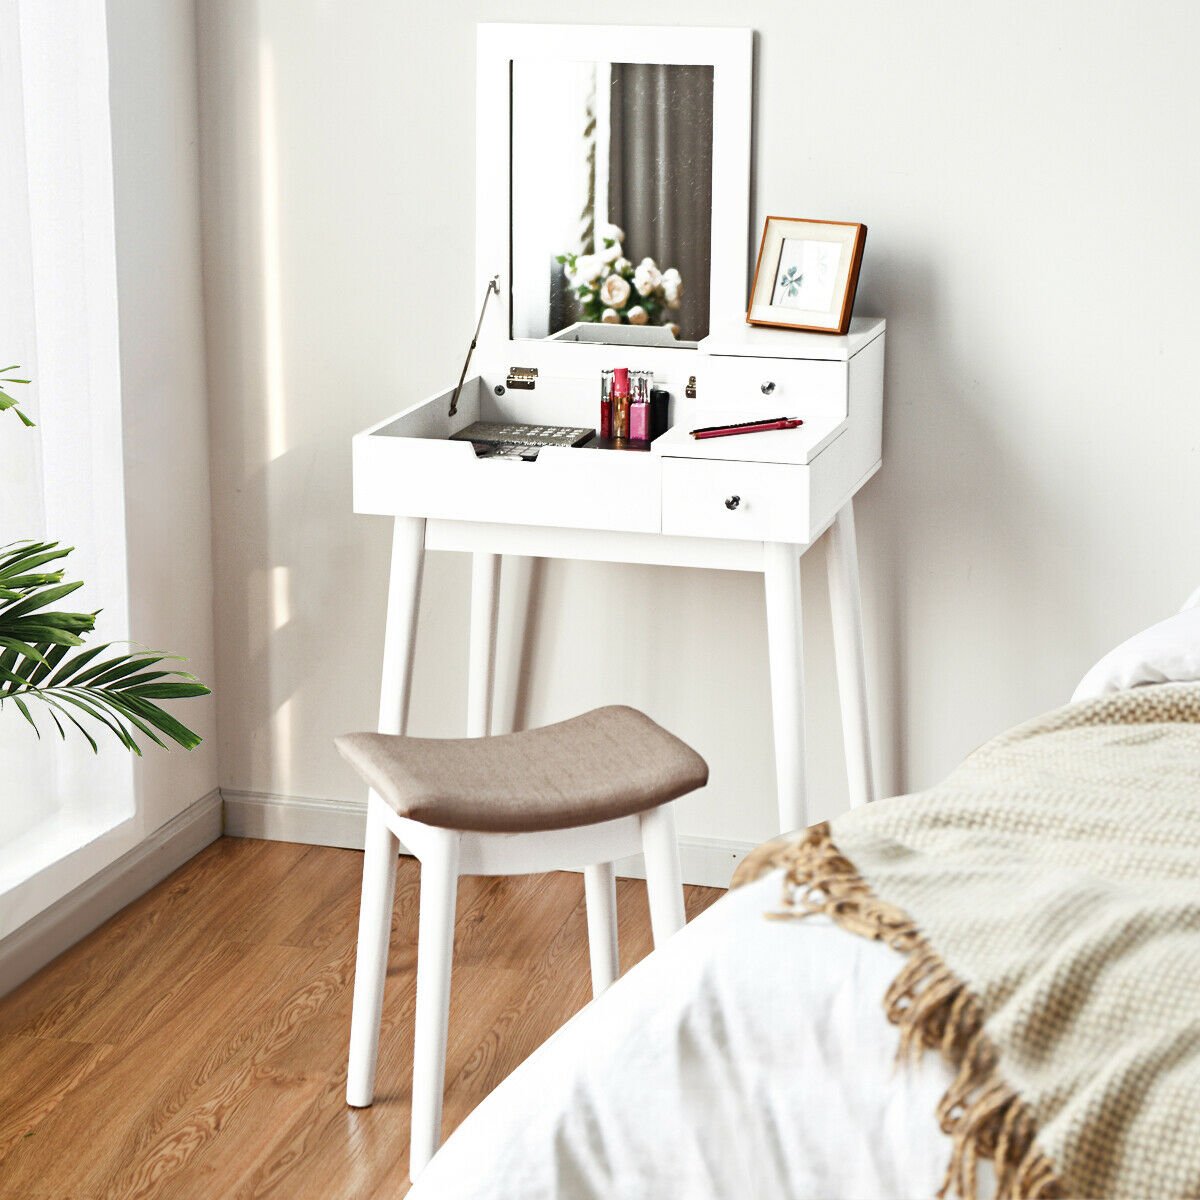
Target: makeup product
{"x":639,"y":407}
{"x":712,"y":431}
{"x":620,"y":403}
{"x":515,"y":440}
{"x":660,"y":410}
{"x":606,"y":405}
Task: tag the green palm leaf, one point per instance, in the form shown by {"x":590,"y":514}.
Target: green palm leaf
{"x":6,"y":401}
{"x":42,"y":662}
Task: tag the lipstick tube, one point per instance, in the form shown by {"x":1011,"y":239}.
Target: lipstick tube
{"x":606,"y":405}
{"x":620,"y":403}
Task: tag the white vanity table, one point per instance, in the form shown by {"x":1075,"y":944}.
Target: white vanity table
{"x":747,"y":503}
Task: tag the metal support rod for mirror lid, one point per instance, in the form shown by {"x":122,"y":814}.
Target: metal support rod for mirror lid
{"x":493,"y":286}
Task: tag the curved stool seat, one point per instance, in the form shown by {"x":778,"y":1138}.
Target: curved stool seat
{"x":579,"y":793}
{"x":610,"y":762}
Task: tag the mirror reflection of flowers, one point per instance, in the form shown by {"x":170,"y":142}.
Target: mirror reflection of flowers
{"x":608,"y":287}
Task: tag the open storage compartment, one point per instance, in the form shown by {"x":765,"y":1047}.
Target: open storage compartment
{"x":408,"y":463}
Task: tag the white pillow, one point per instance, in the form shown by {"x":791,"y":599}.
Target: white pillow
{"x":1168,"y":652}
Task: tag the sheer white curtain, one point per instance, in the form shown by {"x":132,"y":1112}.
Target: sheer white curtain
{"x":62,"y":481}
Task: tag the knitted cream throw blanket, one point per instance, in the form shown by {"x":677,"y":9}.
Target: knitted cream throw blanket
{"x":1046,"y":896}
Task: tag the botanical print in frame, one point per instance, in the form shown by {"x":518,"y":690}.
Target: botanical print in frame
{"x":807,"y":274}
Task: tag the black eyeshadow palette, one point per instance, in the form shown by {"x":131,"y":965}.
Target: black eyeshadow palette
{"x":512,"y":439}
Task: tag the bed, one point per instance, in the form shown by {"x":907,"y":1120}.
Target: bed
{"x":751,"y":1057}
{"x":746,"y":1058}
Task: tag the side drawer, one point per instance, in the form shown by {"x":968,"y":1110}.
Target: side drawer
{"x":765,"y":502}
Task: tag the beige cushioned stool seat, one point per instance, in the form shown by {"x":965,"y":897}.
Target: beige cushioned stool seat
{"x":608,"y":763}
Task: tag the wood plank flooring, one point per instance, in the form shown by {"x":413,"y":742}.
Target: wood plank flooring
{"x":195,"y":1045}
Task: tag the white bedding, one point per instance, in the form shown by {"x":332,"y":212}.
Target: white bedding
{"x":747,"y":1059}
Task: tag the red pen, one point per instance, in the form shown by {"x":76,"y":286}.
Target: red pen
{"x":711,"y":431}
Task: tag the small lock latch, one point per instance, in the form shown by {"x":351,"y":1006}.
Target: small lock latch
{"x":522,"y":378}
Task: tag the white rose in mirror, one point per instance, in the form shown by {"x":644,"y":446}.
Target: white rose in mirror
{"x":610,"y":254}
{"x":587,"y":269}
{"x":615,"y":291}
{"x":672,"y":288}
{"x":622,"y":266}
{"x":610,"y":316}
{"x":608,"y":232}
{"x":647,"y":277}
{"x":638,"y":315}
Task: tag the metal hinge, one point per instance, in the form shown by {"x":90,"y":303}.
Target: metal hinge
{"x":522,"y":378}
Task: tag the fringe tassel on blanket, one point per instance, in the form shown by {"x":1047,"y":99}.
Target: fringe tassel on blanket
{"x":934,"y":1010}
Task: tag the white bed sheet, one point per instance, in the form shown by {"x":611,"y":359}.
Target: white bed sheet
{"x":746,"y":1059}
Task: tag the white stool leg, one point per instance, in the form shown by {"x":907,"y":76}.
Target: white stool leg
{"x":600,"y":891}
{"x":661,"y":852}
{"x":785,"y":647}
{"x":481,"y":661}
{"x":435,"y":952}
{"x":370,"y":971}
{"x":845,"y":602}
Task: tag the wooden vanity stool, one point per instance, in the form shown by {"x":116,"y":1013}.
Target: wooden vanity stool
{"x":581,"y":793}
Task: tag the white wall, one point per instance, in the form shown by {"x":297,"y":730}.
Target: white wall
{"x":168,"y":520}
{"x":1029,"y":183}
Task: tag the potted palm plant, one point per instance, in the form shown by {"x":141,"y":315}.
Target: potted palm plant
{"x":46,"y":669}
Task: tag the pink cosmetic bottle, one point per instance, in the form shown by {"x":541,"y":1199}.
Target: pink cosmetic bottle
{"x":639,"y":408}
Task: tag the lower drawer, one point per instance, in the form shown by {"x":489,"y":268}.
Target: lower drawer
{"x":754,"y":501}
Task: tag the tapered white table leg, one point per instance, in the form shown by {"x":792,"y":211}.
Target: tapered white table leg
{"x":481,"y":663}
{"x":382,"y":846}
{"x":845,"y":601}
{"x":400,"y":635}
{"x":600,"y":892}
{"x":785,"y":643}
{"x":370,"y":969}
{"x":435,"y":953}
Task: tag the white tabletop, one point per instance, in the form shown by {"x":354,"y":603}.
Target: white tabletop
{"x":755,"y":341}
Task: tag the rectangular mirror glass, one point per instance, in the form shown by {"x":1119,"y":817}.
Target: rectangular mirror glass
{"x":611,"y":201}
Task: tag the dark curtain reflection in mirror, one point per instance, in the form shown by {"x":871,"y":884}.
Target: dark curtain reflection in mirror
{"x":597,"y":146}
{"x":660,"y":174}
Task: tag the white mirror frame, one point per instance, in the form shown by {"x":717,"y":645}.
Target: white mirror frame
{"x":730,"y":53}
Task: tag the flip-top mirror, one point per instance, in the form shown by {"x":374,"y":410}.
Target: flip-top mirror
{"x":611,"y":201}
{"x":625,"y":151}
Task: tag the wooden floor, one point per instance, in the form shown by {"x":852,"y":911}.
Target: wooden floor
{"x":195,"y":1045}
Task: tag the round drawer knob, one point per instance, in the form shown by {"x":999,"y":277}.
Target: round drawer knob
{"x":732,"y":502}
{"x":768,"y":387}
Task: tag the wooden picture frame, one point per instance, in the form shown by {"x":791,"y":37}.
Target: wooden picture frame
{"x":806,"y":274}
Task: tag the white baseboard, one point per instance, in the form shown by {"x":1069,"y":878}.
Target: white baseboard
{"x":709,"y":862}
{"x":295,"y":819}
{"x":29,"y":948}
